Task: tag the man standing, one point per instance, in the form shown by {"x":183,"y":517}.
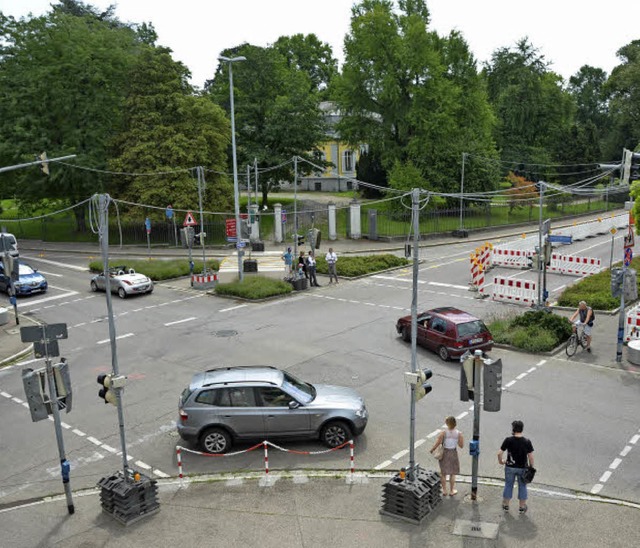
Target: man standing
{"x":519,"y":455}
{"x":311,"y":270}
{"x":586,"y":315}
{"x":287,"y":257}
{"x":331,"y":259}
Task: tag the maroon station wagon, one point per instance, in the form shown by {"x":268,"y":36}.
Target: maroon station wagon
{"x":448,"y":331}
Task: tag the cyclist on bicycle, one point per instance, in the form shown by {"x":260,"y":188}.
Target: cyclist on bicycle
{"x":586,"y":317}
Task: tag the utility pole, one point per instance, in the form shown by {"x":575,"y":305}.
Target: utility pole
{"x":103,"y":209}
{"x":415,"y":227}
{"x":626,"y":261}
{"x":201,"y":184}
{"x":249,"y":189}
{"x":477,"y":398}
{"x":295,"y":208}
{"x":540,"y":250}
{"x":255,"y":174}
{"x":464,"y":154}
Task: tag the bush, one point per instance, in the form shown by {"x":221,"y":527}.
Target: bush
{"x":156,"y":269}
{"x":255,"y":287}
{"x":361,"y":265}
{"x":533,"y":331}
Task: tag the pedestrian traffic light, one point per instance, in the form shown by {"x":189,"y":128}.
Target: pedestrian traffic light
{"x":474,"y":448}
{"x":422,"y":386}
{"x":107,"y":393}
{"x":300,"y":239}
{"x":466,"y":377}
{"x":492,"y":377}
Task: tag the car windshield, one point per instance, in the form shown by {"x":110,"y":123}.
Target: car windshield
{"x":25,"y":269}
{"x":302,"y":391}
{"x":471,"y":328}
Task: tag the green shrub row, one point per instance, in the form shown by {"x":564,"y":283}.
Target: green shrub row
{"x":157,"y":269}
{"x":533,"y":331}
{"x":361,"y":265}
{"x":255,"y":287}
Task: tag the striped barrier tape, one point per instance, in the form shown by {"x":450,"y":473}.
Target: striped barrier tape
{"x":573,"y":265}
{"x":517,"y":291}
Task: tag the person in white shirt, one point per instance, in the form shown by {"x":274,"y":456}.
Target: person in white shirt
{"x":331,"y":259}
{"x":311,"y":270}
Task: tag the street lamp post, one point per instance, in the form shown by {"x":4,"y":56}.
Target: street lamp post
{"x":236,"y":197}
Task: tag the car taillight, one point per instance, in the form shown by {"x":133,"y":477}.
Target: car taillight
{"x":183,"y":415}
{"x":459,"y":344}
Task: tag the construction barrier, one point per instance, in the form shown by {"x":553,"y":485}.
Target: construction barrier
{"x":204,"y":281}
{"x":265,"y":445}
{"x":632,"y":325}
{"x":515,"y":291}
{"x":514,"y":258}
{"x":576,"y":266}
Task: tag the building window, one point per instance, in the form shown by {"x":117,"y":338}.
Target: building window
{"x":349,"y":185}
{"x":347,"y":164}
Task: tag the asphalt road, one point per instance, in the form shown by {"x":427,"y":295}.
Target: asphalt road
{"x":579,"y":415}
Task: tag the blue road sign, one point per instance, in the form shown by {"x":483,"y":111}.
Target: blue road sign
{"x":628,"y":255}
{"x":284,"y":215}
{"x":558,"y":239}
{"x":147,"y":224}
{"x":240,"y":245}
{"x":169,"y":212}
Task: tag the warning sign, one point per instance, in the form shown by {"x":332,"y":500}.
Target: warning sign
{"x":189,"y":220}
{"x":629,"y":240}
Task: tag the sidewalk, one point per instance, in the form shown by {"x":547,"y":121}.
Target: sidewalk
{"x":322,"y":512}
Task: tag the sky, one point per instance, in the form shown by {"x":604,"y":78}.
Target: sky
{"x":569,"y":33}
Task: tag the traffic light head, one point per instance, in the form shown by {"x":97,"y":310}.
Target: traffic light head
{"x":106,"y":392}
{"x":423,"y":387}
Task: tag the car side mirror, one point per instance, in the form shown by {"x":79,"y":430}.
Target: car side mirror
{"x":293,"y":404}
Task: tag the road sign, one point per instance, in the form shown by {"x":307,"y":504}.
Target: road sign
{"x":559,"y":239}
{"x":169,"y":212}
{"x":40,"y":333}
{"x":284,"y":216}
{"x":230,"y":226}
{"x":240,"y":245}
{"x":189,"y":219}
{"x":546,"y":226}
{"x":629,"y":239}
{"x":147,"y":225}
{"x":613,"y":230}
{"x":628,"y":255}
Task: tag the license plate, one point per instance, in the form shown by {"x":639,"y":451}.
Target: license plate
{"x":475,"y":341}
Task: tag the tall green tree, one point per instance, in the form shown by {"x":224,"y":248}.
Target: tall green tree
{"x":165,"y":127}
{"x":276,"y":113}
{"x":623,"y":90}
{"x":61,"y":77}
{"x":414,"y":96}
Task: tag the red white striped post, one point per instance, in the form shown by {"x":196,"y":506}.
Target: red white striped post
{"x":353,"y":467}
{"x":266,"y":459}
{"x":179,"y":457}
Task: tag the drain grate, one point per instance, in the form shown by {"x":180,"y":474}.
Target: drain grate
{"x":225,"y":333}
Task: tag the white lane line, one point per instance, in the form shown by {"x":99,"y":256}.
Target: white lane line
{"x":418,"y":443}
{"x":79,"y":324}
{"x":56,"y":263}
{"x":634,"y":440}
{"x":616,"y":462}
{"x":17,"y":400}
{"x":65,"y":425}
{"x":596,"y":488}
{"x":383,"y":465}
{"x":521,"y":376}
{"x":94,"y":441}
{"x":125,"y":336}
{"x":625,"y":451}
{"x":78,"y":432}
{"x":233,"y":308}
{"x":531,"y":370}
{"x":541,"y":363}
{"x":109,"y":448}
{"x":143,"y":465}
{"x":180,"y":321}
{"x":137,"y":309}
{"x":605,"y":477}
{"x":462,"y":415}
{"x":433,"y":434}
{"x":51,"y":274}
{"x":400,"y":454}
{"x":160,"y":474}
{"x":5,"y":395}
{"x":452,"y":286}
{"x":509,"y":384}
{"x":52,"y":298}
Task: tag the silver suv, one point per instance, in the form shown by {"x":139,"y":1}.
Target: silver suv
{"x":240,"y":403}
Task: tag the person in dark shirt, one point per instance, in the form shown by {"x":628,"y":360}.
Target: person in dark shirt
{"x":519,"y":455}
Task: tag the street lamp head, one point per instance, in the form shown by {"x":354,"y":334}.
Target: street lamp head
{"x":231,"y":59}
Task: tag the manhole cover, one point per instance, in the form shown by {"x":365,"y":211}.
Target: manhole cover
{"x":225,"y":333}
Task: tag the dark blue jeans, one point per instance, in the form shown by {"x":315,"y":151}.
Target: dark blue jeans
{"x":510,"y":475}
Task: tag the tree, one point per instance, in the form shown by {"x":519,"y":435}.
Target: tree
{"x":521,"y":193}
{"x":310,"y":55}
{"x":412,"y":95}
{"x":369,"y":169}
{"x":623,"y":90}
{"x":276,"y":113}
{"x":62,"y":77}
{"x":166,"y":127}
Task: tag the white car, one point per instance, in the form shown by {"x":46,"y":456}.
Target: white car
{"x":123,"y":281}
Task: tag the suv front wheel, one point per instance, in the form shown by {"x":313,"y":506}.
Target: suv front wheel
{"x":335,"y":433}
{"x":215,"y":440}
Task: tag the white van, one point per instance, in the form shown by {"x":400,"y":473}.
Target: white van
{"x":10,"y":243}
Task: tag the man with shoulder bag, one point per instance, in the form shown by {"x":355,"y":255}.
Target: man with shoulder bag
{"x":518,"y":464}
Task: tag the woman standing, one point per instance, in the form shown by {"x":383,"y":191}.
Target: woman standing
{"x":519,"y":454}
{"x":451,"y":439}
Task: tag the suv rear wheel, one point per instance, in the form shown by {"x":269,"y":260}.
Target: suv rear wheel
{"x":443,"y":353}
{"x":335,"y":433}
{"x":215,"y":440}
{"x":406,"y":334}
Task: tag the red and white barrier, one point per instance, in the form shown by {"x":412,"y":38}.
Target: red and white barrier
{"x":515,"y":291}
{"x":632,"y":325}
{"x":515,"y":258}
{"x":576,"y":266}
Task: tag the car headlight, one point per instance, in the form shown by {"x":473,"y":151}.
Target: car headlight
{"x":362,"y":412}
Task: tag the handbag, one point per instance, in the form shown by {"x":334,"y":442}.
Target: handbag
{"x":438,"y":452}
{"x":528,"y":474}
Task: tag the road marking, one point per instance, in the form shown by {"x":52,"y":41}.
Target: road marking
{"x":180,"y":321}
{"x":400,"y":454}
{"x":51,"y":274}
{"x":635,"y":439}
{"x":233,"y":308}
{"x":531,"y":370}
{"x":109,"y":448}
{"x":418,"y":443}
{"x":160,"y":474}
{"x":462,"y":415}
{"x":541,"y":363}
{"x":52,"y":298}
{"x":137,"y":309}
{"x":383,"y":465}
{"x":94,"y":441}
{"x":452,"y":286}
{"x":521,"y":376}
{"x":125,"y":336}
{"x":78,"y":432}
{"x":596,"y":488}
{"x":509,"y":384}
{"x":605,"y":477}
{"x":17,"y":400}
{"x":625,"y":451}
{"x":433,"y":434}
{"x":616,"y":462}
{"x":65,"y":425}
{"x":142,"y":465}
{"x":614,"y":465}
{"x":56,"y":263}
{"x":5,"y":395}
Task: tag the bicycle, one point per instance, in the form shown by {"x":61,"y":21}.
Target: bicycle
{"x":578,"y":337}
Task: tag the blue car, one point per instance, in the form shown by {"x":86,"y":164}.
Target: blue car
{"x":31,"y":281}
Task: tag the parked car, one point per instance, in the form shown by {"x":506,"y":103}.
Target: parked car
{"x":228,"y":404}
{"x":123,"y":281}
{"x":30,"y":280}
{"x":448,"y":331}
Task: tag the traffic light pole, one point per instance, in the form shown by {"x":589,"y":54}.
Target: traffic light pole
{"x":477,"y":398}
{"x":415,"y":222}
{"x":621,"y":318}
{"x":103,"y":205}
{"x":200,"y":171}
{"x":65,"y":467}
{"x":540,"y":250}
{"x":295,"y":209}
